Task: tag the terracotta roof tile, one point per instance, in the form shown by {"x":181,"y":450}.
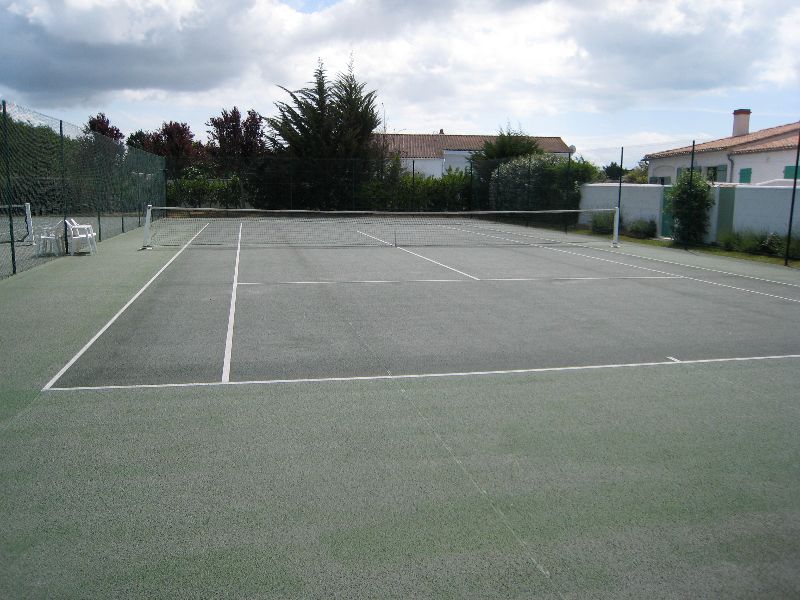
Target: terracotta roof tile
{"x":424,"y":145}
{"x":773,"y":138}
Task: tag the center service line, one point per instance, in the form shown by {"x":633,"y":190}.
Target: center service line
{"x":88,"y":345}
{"x":226,"y":361}
{"x":419,"y":256}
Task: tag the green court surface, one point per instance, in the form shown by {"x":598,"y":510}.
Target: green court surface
{"x":566,"y":422}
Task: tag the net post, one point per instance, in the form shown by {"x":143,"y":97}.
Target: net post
{"x":28,"y":224}
{"x":147,"y":220}
{"x":615,"y":241}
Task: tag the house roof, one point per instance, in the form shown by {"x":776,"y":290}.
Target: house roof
{"x":424,"y":145}
{"x":764,"y":140}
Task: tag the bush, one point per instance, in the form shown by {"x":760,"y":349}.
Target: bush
{"x":773,"y":244}
{"x":203,"y":191}
{"x":539,"y":182}
{"x":398,"y":190}
{"x":751,"y":242}
{"x":689,"y":201}
{"x":603,"y":222}
{"x":729,"y":241}
{"x":794,"y":248}
{"x":758,"y":242}
{"x":642,"y":229}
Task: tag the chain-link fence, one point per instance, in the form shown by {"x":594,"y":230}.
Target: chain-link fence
{"x":542,"y":182}
{"x":65,"y":171}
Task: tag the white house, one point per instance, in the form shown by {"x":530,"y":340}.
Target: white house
{"x":767,"y":155}
{"x":433,"y":154}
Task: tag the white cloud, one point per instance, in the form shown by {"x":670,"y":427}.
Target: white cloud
{"x":469,"y":66}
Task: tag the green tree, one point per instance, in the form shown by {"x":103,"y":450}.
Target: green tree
{"x":508,"y":144}
{"x":355,"y":116}
{"x":613,"y":171}
{"x":540,"y":182}
{"x":326,"y":120}
{"x":304,"y":127}
{"x":326,"y":129}
{"x":637,"y":174}
{"x":145,"y":140}
{"x":689,"y":201}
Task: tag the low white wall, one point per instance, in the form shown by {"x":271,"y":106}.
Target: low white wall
{"x":431,"y":167}
{"x":639,"y":201}
{"x":756,"y":207}
{"x":764,"y":208}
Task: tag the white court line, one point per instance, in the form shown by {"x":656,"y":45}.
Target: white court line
{"x":420,"y":256}
{"x":686,"y":277}
{"x":226,"y":361}
{"x":709,"y":269}
{"x":438,"y":263}
{"x":429,"y":375}
{"x":497,"y":237}
{"x":616,"y":262}
{"x":334,"y":282}
{"x":88,"y":345}
{"x":660,"y":260}
{"x":509,"y":279}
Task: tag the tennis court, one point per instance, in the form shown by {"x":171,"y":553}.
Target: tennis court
{"x":244,"y":313}
{"x":526,"y":416}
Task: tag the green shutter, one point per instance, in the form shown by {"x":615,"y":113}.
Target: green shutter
{"x":788,"y":172}
{"x":745,"y":175}
{"x":722,"y":173}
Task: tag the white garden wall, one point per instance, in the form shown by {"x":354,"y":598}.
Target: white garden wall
{"x":756,"y":208}
{"x":639,"y":201}
{"x":764,"y":208}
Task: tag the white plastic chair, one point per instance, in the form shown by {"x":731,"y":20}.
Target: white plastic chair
{"x":80,"y":237}
{"x":48,"y":241}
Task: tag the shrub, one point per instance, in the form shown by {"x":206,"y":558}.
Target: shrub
{"x":642,"y":229}
{"x":603,"y":222}
{"x":772,"y":244}
{"x":203,"y":191}
{"x":794,"y":248}
{"x":758,"y":242}
{"x":539,"y":182}
{"x":689,"y":201}
{"x":729,"y":241}
{"x":750,"y":242}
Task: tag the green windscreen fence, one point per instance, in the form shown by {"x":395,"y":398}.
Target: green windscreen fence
{"x":61,"y":170}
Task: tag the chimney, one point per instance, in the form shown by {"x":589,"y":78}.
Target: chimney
{"x":741,"y":121}
{"x":441,"y":132}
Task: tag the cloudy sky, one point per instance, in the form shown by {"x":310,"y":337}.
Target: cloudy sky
{"x":598,"y":73}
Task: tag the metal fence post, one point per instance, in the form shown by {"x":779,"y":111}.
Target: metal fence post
{"x":9,"y":193}
{"x":63,"y":187}
{"x":791,"y":209}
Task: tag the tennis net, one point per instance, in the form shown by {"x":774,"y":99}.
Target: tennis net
{"x":174,"y":226}
{"x":16,"y":223}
